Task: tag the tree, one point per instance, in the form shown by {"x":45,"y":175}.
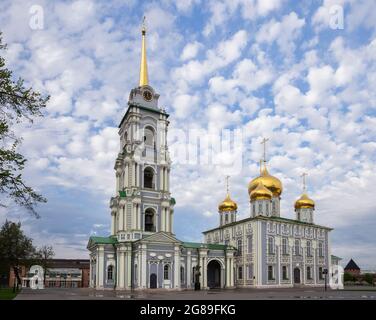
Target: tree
{"x":15,"y":249}
{"x":17,"y":103}
{"x":44,"y":256}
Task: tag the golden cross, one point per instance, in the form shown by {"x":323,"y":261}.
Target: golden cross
{"x":227,"y":179}
{"x":264,"y":140}
{"x":303,"y":175}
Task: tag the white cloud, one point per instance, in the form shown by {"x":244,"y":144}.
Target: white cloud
{"x":190,"y":50}
{"x":283,"y":32}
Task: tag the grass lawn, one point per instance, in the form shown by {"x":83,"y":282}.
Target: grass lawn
{"x":7,"y":293}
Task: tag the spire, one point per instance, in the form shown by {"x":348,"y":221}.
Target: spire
{"x":264,"y":141}
{"x":303,"y":175}
{"x":227,"y":188}
{"x":144,"y":79}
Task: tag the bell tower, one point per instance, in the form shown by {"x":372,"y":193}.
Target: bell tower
{"x":142,"y":204}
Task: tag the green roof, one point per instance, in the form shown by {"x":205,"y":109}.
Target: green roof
{"x":335,"y":257}
{"x":103,"y":240}
{"x":210,"y":246}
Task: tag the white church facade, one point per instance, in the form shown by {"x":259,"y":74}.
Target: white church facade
{"x":263,"y":250}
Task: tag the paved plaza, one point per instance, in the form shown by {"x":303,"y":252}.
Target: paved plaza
{"x":236,"y":294}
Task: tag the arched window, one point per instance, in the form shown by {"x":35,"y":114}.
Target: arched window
{"x":267,"y":209}
{"x":309,"y":249}
{"x":149,"y":220}
{"x":240,"y":273}
{"x":240,"y":244}
{"x":149,"y":137}
{"x":260,"y":208}
{"x":226,"y":218}
{"x":110,"y":272}
{"x":297,"y":247}
{"x":149,"y":178}
{"x":271,"y":245}
{"x":181,"y":274}
{"x":321,"y":249}
{"x":166,"y":274}
{"x":284,"y":246}
{"x":254,"y":209}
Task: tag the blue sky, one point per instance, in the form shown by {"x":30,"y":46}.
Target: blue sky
{"x":274,"y":69}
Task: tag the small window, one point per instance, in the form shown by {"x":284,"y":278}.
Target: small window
{"x":309,"y":249}
{"x":297,"y":247}
{"x":271,"y":245}
{"x":166,"y":274}
{"x":284,"y":246}
{"x":321,"y":249}
{"x":240,"y":244}
{"x":270,"y":273}
{"x":182,"y":274}
{"x":284,"y":273}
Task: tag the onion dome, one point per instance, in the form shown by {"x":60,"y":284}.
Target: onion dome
{"x":304,"y":202}
{"x":227,"y":205}
{"x":270,"y":182}
{"x":261,"y":193}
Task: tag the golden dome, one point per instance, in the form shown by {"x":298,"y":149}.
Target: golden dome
{"x":270,"y":182}
{"x":228,"y":204}
{"x":261,"y":193}
{"x":304,"y":202}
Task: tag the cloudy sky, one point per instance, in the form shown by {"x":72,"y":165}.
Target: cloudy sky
{"x":296,"y":72}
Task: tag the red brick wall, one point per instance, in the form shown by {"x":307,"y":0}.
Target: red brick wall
{"x":85,"y":277}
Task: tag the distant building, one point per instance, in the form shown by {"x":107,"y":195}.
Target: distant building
{"x":61,"y":273}
{"x":352,"y":268}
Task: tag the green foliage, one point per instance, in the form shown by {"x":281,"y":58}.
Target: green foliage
{"x":348,"y":277}
{"x":7,"y":294}
{"x":17,"y":103}
{"x":15,"y":247}
{"x":368,"y":277}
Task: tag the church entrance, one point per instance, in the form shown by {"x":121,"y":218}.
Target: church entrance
{"x":214,"y":274}
{"x":297,"y":275}
{"x":153,"y":281}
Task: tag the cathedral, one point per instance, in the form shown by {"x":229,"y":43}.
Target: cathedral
{"x":262,"y":250}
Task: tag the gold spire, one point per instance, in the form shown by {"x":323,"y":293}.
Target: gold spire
{"x":144,"y":79}
{"x":228,"y":204}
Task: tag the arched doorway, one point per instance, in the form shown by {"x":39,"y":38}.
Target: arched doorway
{"x":153,"y":281}
{"x":297,"y":275}
{"x":214,"y":274}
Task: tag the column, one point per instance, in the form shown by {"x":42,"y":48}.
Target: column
{"x":189,"y":273}
{"x":143,"y":266}
{"x":177,"y":267}
{"x":117,"y":182}
{"x":163,"y":219}
{"x":314,"y":271}
{"x":101,"y":267}
{"x":113,"y":223}
{"x":228,"y":274}
{"x":138,"y":184}
{"x":139,"y":227}
{"x":133,"y":171}
{"x":167,"y":221}
{"x":232,"y":272}
{"x":127,"y":265}
{"x":161,"y":178}
{"x":121,"y":269}
{"x":171,"y":215}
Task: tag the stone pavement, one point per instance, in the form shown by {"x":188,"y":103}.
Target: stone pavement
{"x":236,"y":294}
